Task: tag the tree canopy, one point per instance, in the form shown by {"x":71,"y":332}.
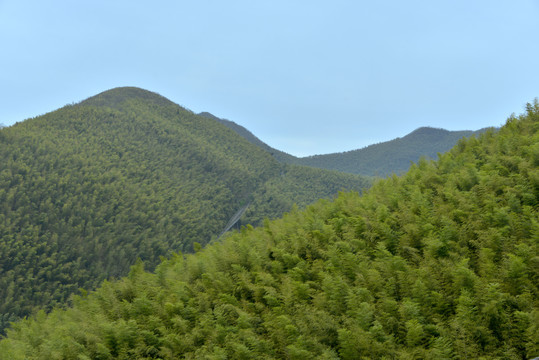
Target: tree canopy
{"x":441,"y":263}
{"x":89,"y":188}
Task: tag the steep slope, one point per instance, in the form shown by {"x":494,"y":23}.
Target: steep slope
{"x":442,"y":263}
{"x":89,"y":188}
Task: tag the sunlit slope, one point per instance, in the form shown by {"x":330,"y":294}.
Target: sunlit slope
{"x":442,"y":263}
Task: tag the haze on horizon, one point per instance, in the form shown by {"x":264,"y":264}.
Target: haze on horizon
{"x":306,"y":77}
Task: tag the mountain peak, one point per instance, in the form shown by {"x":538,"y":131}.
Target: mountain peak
{"x":427,"y":130}
{"x":119,"y":95}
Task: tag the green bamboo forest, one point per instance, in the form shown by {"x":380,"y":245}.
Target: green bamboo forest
{"x":110,"y":249}
{"x":88,"y":189}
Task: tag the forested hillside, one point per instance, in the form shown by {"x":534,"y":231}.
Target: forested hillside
{"x":390,"y":157}
{"x":89,"y":188}
{"x":441,"y":263}
{"x":382,"y":159}
{"x":249,"y":136}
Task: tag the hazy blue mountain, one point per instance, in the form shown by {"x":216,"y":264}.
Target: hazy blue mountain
{"x":394,"y":156}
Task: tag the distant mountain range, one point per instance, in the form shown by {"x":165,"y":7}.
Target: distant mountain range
{"x":382,"y":159}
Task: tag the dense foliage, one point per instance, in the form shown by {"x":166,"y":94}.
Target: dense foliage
{"x":442,"y":263}
{"x":127,"y":174}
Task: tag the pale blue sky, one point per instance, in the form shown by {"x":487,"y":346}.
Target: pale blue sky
{"x":306,"y":77}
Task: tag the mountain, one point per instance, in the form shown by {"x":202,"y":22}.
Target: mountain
{"x":88,"y":189}
{"x":393,"y":156}
{"x":249,"y":136}
{"x":383,"y":159}
{"x":441,"y":263}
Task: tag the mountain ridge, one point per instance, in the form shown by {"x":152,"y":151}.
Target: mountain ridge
{"x":380,"y":159}
{"x":253,"y":139}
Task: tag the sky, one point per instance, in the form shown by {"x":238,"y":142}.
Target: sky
{"x":306,"y":77}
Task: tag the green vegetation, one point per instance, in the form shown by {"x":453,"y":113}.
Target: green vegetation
{"x":383,"y":159}
{"x":249,"y":136}
{"x":441,"y":263}
{"x":391,"y":157}
{"x":296,"y":182}
{"x":89,"y":188}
